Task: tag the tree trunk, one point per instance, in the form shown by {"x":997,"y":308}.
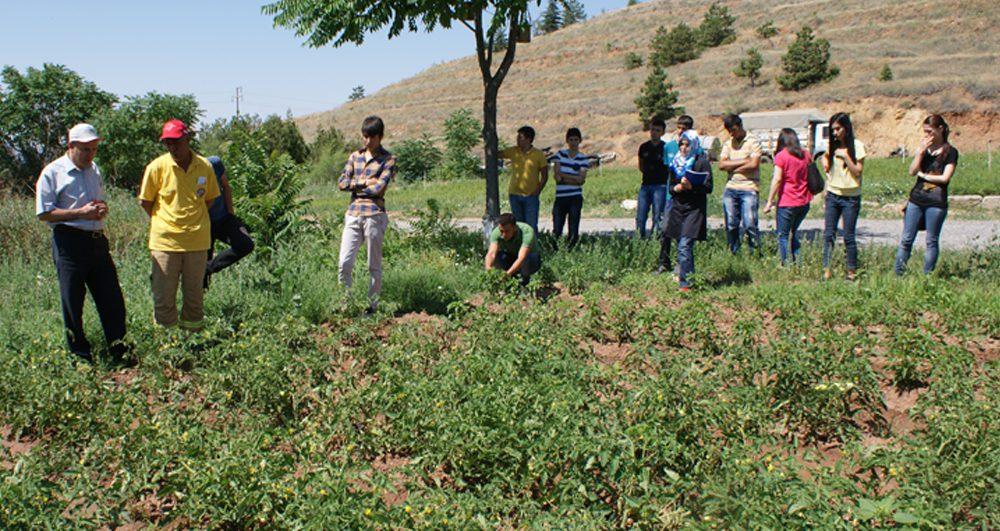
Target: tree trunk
{"x":491,"y":144}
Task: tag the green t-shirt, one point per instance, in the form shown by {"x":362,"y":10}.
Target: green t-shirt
{"x":525,"y":237}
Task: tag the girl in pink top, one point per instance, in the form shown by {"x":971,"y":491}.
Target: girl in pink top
{"x":789,"y":185}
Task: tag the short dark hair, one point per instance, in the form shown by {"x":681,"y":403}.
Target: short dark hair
{"x":685,"y":121}
{"x":528,"y":132}
{"x":373,"y":126}
{"x":574,"y":131}
{"x":507,"y":219}
{"x":658,"y":122}
{"x":731,"y":120}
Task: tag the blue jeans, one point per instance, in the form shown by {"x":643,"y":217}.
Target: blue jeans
{"x":788,"y":220}
{"x":530,"y":266}
{"x":525,"y":209}
{"x":685,"y":259}
{"x":838,"y":206}
{"x":739,"y":207}
{"x":655,"y":196}
{"x":933,"y":219}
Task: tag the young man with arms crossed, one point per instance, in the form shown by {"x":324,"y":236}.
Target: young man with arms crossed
{"x":366,"y":176}
{"x":740,"y":158}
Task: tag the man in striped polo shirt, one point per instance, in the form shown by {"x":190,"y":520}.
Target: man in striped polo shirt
{"x":571,"y":172}
{"x":366,"y":176}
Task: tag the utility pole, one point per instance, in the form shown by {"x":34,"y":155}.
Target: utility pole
{"x":237,"y":98}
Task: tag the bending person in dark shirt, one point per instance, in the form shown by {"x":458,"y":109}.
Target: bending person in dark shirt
{"x":226,"y":226}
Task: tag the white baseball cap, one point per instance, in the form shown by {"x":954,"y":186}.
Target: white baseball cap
{"x":83,"y":133}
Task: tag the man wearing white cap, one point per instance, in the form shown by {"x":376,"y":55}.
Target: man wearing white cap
{"x":69,"y":196}
{"x":177,"y":189}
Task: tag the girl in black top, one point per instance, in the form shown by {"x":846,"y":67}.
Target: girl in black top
{"x":690,"y":185}
{"x":933,"y":166}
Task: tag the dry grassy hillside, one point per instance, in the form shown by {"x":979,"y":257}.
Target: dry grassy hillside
{"x":945,"y":55}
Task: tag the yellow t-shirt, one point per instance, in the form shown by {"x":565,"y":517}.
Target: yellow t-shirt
{"x":842,"y":182}
{"x":749,"y":148}
{"x":526,"y":169}
{"x":180,"y":221}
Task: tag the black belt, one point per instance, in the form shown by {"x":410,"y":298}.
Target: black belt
{"x":73,"y":230}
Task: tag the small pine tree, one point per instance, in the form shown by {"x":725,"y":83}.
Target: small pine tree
{"x":573,"y":12}
{"x":633,"y":60}
{"x":632,"y":2}
{"x":750,"y":66}
{"x":658,"y":99}
{"x":500,"y":40}
{"x":551,"y":19}
{"x":885,"y":74}
{"x":807,"y":62}
{"x":357,"y":93}
{"x":677,"y":46}
{"x":767,"y":30}
{"x":716,"y":28}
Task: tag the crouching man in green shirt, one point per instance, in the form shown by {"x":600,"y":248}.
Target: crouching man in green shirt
{"x":512,"y":249}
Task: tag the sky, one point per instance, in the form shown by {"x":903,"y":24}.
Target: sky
{"x":208,"y":48}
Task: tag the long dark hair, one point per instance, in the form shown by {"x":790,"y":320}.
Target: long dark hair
{"x":937,"y":122}
{"x":844,"y":120}
{"x":789,"y":139}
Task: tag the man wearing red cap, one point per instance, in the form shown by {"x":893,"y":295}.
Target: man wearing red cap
{"x":177,"y":189}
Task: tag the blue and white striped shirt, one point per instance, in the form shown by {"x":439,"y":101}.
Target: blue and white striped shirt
{"x":64,"y":186}
{"x":568,"y":165}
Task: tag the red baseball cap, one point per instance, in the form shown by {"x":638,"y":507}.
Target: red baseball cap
{"x":174,"y":129}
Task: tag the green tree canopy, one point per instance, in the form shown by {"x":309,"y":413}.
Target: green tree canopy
{"x":716,"y":28}
{"x":552,"y":18}
{"x":658,"y":98}
{"x":750,"y":66}
{"x":807,"y":62}
{"x":131,"y":133}
{"x":338,"y":22}
{"x":573,"y":12}
{"x":37,"y":109}
{"x":677,"y":46}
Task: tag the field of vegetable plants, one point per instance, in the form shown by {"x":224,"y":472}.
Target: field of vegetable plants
{"x":599,"y":398}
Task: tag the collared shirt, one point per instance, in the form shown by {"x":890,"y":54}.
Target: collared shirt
{"x":747,"y":148}
{"x":63,"y":186}
{"x":367,"y":200}
{"x":840,"y":180}
{"x":526,"y":169}
{"x":180,"y":221}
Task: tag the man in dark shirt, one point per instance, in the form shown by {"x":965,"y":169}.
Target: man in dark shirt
{"x":653,"y":192}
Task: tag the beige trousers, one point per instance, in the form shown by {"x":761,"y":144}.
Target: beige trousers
{"x":188,"y":270}
{"x":368,"y":231}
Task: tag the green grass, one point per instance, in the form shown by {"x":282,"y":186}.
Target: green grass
{"x":764,"y":399}
{"x":886,"y":181}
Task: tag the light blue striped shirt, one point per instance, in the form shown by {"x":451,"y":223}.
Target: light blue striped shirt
{"x":570,"y":166}
{"x":64,"y":186}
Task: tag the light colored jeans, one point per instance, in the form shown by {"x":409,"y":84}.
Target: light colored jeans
{"x":188,"y":270}
{"x":369,"y":230}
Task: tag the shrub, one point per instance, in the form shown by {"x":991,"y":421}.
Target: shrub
{"x":633,"y":61}
{"x":461,"y":135}
{"x":658,"y":98}
{"x":132,"y":133}
{"x":766,"y":30}
{"x":807,"y":62}
{"x":716,"y":27}
{"x":750,"y":66}
{"x":885,"y":74}
{"x":327,"y":156}
{"x":677,"y":46}
{"x":416,"y":158}
{"x":265,"y":189}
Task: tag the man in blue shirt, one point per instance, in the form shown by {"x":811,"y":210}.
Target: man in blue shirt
{"x":226,"y":226}
{"x":69,"y":196}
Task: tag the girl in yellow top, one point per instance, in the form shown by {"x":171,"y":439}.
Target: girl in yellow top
{"x":843,"y":163}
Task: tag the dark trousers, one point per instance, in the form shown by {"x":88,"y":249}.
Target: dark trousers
{"x":849,"y":208}
{"x":83,"y":262}
{"x":530,"y":266}
{"x":788,"y":221}
{"x":664,"y":261}
{"x":567,"y":207}
{"x":233,"y":232}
